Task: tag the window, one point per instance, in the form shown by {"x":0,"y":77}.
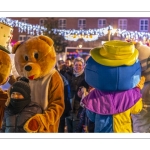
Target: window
{"x":101,"y":23}
{"x":81,"y":23}
{"x":62,"y":23}
{"x":144,"y":24}
{"x":22,"y":37}
{"x":42,"y":22}
{"x":122,"y":24}
{"x":24,"y":20}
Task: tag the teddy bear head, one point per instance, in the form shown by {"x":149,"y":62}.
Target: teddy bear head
{"x":144,"y":57}
{"x":5,"y":66}
{"x":35,"y":57}
{"x":5,"y":60}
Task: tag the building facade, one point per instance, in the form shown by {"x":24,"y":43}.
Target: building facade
{"x":85,"y":23}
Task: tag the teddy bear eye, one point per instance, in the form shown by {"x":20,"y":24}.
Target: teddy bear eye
{"x":26,"y":58}
{"x":36,"y":55}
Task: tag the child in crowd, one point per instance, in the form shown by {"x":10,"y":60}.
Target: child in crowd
{"x":19,"y":107}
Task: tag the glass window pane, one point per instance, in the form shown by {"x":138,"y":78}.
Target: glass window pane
{"x":104,"y":21}
{"x":141,"y":27}
{"x":146,"y":28}
{"x":79,"y":21}
{"x":142,"y":22}
{"x":146,"y":21}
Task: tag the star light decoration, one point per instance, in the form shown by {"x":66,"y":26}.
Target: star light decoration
{"x":24,"y":27}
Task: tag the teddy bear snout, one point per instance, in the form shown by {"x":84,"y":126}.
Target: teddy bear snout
{"x":28,"y":68}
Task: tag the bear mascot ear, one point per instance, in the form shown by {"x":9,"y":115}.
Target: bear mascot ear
{"x":138,"y":44}
{"x":48,"y":40}
{"x":16,"y":45}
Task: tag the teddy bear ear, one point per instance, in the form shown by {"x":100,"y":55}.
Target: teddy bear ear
{"x":16,"y":45}
{"x":47,"y":39}
{"x":138,"y":44}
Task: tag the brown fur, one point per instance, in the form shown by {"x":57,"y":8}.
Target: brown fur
{"x":43,"y":46}
{"x":5,"y":68}
{"x":144,"y":57}
{"x":41,"y":66}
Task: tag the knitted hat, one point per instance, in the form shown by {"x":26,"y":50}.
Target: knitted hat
{"x":21,"y":86}
{"x":115,"y":53}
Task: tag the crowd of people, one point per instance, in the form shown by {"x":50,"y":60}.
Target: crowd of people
{"x":19,"y":104}
{"x":19,"y":107}
{"x":73,"y":72}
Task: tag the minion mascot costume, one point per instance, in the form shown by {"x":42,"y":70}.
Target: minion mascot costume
{"x":5,"y":63}
{"x":115,"y":72}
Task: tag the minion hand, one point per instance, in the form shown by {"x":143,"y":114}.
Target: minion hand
{"x":141,"y":83}
{"x":82,"y":92}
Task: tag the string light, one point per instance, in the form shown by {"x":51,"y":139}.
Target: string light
{"x":94,"y":34}
{"x":86,"y":35}
{"x":74,"y":35}
{"x":24,"y":27}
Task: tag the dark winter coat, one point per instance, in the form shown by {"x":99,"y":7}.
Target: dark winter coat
{"x":76,"y":83}
{"x":67,"y":96}
{"x":15,"y":122}
{"x":67,"y":110}
{"x":84,"y":121}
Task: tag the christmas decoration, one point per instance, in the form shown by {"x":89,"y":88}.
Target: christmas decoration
{"x":74,"y":35}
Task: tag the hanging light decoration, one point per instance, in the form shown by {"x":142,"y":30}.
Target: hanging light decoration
{"x":24,"y":27}
{"x":74,"y":35}
{"x":86,"y":35}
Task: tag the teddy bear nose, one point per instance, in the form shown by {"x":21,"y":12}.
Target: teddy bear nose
{"x":28,"y":68}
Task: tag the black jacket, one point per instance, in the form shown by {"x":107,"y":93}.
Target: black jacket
{"x":77,"y":82}
{"x":15,"y":122}
{"x":67,"y":96}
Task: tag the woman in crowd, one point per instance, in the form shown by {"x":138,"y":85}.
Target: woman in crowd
{"x":77,"y":80}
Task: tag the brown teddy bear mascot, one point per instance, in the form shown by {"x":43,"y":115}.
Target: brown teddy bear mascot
{"x":35,"y":59}
{"x":5,"y":64}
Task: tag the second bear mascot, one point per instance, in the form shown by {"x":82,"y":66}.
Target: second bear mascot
{"x":141,"y":121}
{"x":35,"y":59}
{"x":5,"y":63}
